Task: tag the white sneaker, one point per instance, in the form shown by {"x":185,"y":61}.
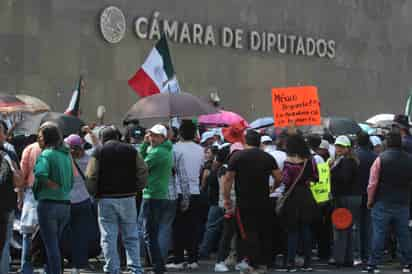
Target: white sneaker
{"x":174,"y":266}
{"x":193,"y":266}
{"x":243,"y":265}
{"x":221,"y":267}
{"x":357,"y":262}
{"x":75,"y":271}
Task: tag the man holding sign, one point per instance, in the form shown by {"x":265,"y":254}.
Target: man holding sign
{"x":296,"y":105}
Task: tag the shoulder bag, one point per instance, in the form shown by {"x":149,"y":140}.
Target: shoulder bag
{"x":280,"y":203}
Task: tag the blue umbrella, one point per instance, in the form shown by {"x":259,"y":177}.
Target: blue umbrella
{"x":367,"y":128}
{"x":262,"y":122}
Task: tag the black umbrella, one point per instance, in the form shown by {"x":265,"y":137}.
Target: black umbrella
{"x":169,"y":105}
{"x":67,"y":124}
{"x":341,"y":126}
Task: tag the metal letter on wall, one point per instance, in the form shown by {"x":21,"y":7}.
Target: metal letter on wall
{"x":112,"y":24}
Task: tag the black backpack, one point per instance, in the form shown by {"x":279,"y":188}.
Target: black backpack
{"x":7,"y":194}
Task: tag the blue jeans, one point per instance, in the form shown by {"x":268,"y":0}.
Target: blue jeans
{"x":305,"y":233}
{"x":26,"y":266}
{"x":365,"y":231}
{"x":114,"y":215}
{"x":153,"y":214}
{"x":166,"y":227}
{"x":53,"y":217}
{"x":5,"y":256}
{"x":213,"y":230}
{"x":382,"y":215}
{"x":344,"y":240}
{"x":80,"y":218}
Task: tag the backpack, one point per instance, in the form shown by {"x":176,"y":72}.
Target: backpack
{"x":7,"y":194}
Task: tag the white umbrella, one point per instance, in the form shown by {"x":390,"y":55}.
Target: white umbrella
{"x":381,"y":118}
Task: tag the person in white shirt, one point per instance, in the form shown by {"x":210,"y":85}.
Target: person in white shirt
{"x":188,"y":160}
{"x":279,"y":244}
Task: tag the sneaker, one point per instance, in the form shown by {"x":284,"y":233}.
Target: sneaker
{"x":307,"y":269}
{"x":357,"y":262}
{"x":176,"y":267}
{"x":221,"y":267}
{"x":75,"y":271}
{"x":291,"y":269}
{"x":242,"y":265}
{"x":193,"y":266}
{"x":406,"y":269}
{"x":370,"y":269}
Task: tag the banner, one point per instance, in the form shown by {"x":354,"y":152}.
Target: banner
{"x":296,"y":105}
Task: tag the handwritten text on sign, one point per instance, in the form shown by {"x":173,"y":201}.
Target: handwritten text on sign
{"x":298,"y":105}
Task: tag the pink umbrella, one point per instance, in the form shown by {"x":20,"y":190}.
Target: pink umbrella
{"x":223,"y":117}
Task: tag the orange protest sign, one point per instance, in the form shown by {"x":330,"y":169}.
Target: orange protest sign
{"x":296,"y":105}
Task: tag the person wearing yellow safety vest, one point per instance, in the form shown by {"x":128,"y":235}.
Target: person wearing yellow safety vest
{"x":346,"y":193}
{"x":321,"y":193}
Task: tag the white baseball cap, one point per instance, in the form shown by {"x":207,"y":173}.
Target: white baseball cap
{"x":375,"y":140}
{"x":159,"y":130}
{"x":206,"y":136}
{"x":324,"y":145}
{"x":265,"y":139}
{"x":343,"y":141}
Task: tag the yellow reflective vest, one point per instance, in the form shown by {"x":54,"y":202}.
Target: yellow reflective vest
{"x":321,"y":189}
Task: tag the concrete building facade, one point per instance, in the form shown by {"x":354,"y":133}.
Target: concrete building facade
{"x":46,"y":44}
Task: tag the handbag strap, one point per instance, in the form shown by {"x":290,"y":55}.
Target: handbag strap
{"x":297,"y":179}
{"x":79,"y":170}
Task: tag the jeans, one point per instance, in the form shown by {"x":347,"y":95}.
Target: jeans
{"x":382,"y":215}
{"x":304,"y":231}
{"x":5,"y":256}
{"x":166,"y":228}
{"x":186,"y":230}
{"x":365,"y":231}
{"x":343,"y":238}
{"x":152,"y":215}
{"x":53,"y":217}
{"x":114,"y":215}
{"x":213,"y":230}
{"x":26,"y":266}
{"x":81,"y":216}
{"x":323,"y":230}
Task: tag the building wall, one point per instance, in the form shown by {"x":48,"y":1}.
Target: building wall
{"x":46,"y":44}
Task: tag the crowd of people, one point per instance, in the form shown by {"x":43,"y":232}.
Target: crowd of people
{"x":167,"y":198}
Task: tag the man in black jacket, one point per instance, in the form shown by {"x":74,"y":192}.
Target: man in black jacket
{"x":116,"y":172}
{"x":389,"y":197}
{"x":366,"y":158}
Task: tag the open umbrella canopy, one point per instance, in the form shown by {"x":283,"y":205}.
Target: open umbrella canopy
{"x":10,"y":103}
{"x":341,"y":126}
{"x":169,"y":105}
{"x":32,"y":104}
{"x":333,"y":125}
{"x":222,"y":118}
{"x":67,"y":124}
{"x":381,"y":120}
{"x":367,"y":128}
{"x":262,"y":122}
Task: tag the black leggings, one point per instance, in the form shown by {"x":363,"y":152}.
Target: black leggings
{"x":4,"y":218}
{"x":230,"y":230}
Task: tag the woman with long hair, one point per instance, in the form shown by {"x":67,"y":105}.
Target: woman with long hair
{"x":300,"y":207}
{"x":346,"y":193}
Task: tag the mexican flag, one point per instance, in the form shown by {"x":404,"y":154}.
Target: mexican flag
{"x":157,"y":73}
{"x":74,"y":106}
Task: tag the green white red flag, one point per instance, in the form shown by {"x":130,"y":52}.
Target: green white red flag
{"x":157,"y":73}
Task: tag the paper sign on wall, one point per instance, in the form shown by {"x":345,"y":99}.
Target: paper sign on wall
{"x":296,"y":105}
